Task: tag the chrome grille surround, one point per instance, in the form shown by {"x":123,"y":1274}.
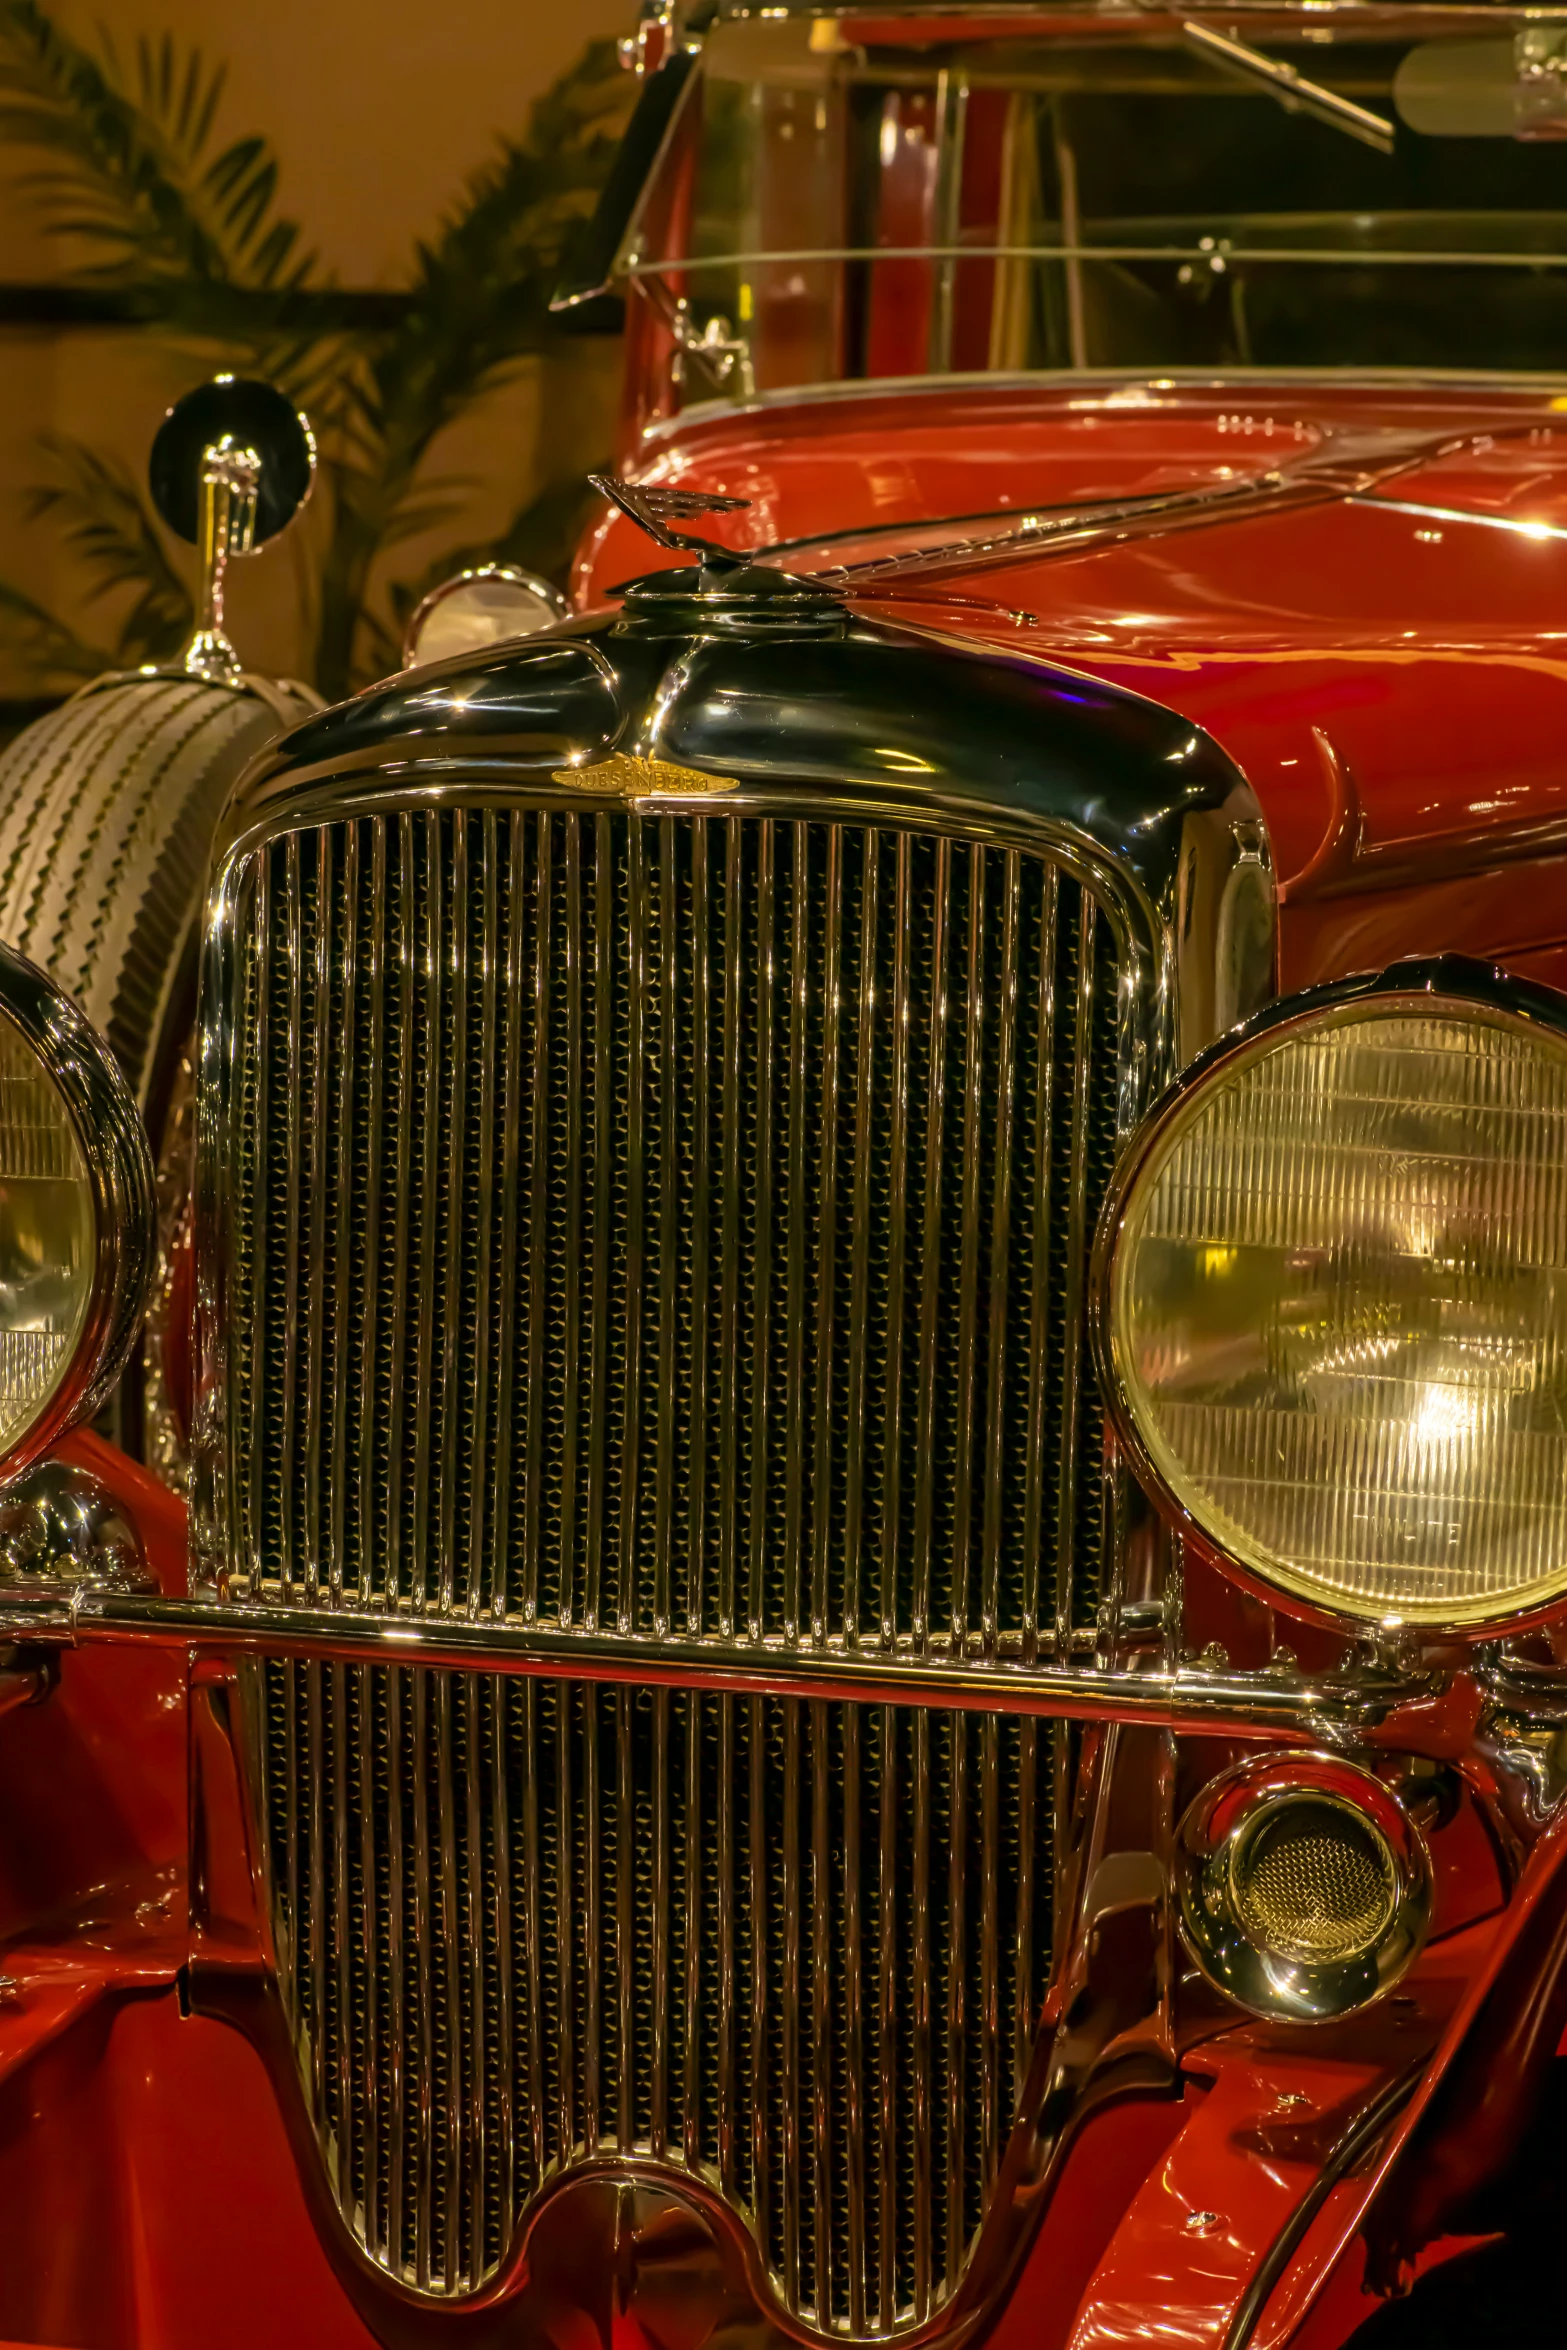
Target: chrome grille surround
{"x":864,"y":1622}
{"x":921,"y":2074}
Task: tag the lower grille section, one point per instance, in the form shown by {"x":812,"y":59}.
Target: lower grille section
{"x":794,"y":1948}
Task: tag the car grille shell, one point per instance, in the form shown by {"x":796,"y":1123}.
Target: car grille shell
{"x":640,"y":1222}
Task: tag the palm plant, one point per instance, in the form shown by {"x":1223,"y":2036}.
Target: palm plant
{"x":121,"y":166}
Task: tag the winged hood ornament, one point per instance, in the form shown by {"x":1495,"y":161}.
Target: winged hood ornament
{"x":654,"y":506}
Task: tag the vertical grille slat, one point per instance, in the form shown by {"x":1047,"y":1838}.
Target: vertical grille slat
{"x":860,"y":1237}
{"x":319,"y":1366}
{"x":669,"y":1221}
{"x":998,"y":1295}
{"x":349,"y":2070}
{"x":921,"y":1988}
{"x":367,"y":1925}
{"x":931,"y":1299}
{"x":398,"y":1386}
{"x":824,"y":1465}
{"x":760,"y":1127}
{"x":763,"y":1938}
{"x":289,"y":1544}
{"x":432,"y":1197}
{"x":699,"y":1117}
{"x":658,"y":2134}
{"x":897,"y":1225}
{"x":637,"y":1005}
{"x":968,"y":1239}
{"x":482,"y":1315}
{"x":670,"y":1224}
{"x":425,"y":1860}
{"x":358,"y":1162}
{"x":530,"y":1892}
{"x":795,"y":1416}
{"x":563,"y":1104}
{"x":819,"y":2064}
{"x":396,"y":1951}
{"x":452,"y":961}
{"x":890,"y":2202}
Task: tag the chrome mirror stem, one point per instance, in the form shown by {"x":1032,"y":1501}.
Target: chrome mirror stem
{"x":230,"y":489}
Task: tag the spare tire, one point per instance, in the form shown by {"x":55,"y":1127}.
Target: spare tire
{"x":108,"y":808}
{"x":107,"y":812}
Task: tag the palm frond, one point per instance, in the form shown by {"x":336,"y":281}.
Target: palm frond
{"x":98,"y":509}
{"x":123,"y":160}
{"x":46,"y":650}
{"x":541,"y":536}
{"x":121,"y":152}
{"x":479,"y":304}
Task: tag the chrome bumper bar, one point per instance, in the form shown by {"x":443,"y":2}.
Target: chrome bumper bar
{"x":1331,"y":1709}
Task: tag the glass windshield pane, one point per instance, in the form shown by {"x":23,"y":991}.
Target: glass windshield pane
{"x":858,"y":200}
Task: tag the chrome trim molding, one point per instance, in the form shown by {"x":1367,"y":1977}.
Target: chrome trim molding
{"x":1119,"y":387}
{"x":1333,"y":1708}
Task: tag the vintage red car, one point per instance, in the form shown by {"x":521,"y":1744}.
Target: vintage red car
{"x":870,"y":1351}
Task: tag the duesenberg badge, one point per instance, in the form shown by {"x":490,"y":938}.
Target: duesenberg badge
{"x":640,"y":779}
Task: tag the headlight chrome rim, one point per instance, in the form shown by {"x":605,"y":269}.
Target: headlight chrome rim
{"x":80,"y":1065}
{"x":1454,"y":984}
{"x":544,"y":591}
{"x":1217,"y":1840}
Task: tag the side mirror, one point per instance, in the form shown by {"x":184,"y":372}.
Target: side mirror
{"x":232,"y":464}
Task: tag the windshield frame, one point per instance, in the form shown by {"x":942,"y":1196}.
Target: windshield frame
{"x":669,"y":57}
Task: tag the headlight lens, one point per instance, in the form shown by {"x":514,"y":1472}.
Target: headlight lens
{"x":47,"y":1230}
{"x":78,"y":1233}
{"x":1338,"y":1308}
{"x":490,"y":606}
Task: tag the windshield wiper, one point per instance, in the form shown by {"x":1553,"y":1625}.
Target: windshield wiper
{"x":1291,"y":88}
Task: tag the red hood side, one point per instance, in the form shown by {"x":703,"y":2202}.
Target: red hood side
{"x":1389,"y":669}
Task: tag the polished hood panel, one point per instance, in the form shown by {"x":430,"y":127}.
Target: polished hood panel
{"x":1371,"y":632}
{"x":851,"y":717}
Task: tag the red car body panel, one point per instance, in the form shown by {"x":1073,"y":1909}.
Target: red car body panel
{"x":1383,"y":678}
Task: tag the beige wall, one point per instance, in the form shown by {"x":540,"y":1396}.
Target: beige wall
{"x":378,"y":109}
{"x":378,"y":114}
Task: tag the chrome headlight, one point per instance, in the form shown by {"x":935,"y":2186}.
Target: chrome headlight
{"x":77,"y":1230}
{"x":491,"y":605}
{"x":1334,"y":1282}
{"x":1304,"y":1889}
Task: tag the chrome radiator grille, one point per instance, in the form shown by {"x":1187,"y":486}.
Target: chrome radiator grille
{"x":649,"y":1222}
{"x":669,"y":1224}
{"x":796,"y":1948}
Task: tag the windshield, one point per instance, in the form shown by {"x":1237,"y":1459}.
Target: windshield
{"x":845,"y":199}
